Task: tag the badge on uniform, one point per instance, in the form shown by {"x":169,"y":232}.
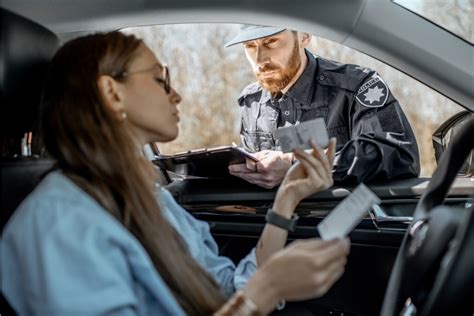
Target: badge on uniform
{"x":373,"y":93}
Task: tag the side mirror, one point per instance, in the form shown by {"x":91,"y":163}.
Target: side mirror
{"x":444,"y":134}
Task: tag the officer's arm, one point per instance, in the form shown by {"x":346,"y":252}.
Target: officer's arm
{"x":382,"y":144}
{"x":243,"y":141}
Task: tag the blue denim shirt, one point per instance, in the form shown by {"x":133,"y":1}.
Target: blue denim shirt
{"x":64,"y":254}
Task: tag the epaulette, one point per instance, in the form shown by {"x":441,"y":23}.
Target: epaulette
{"x":346,"y":76}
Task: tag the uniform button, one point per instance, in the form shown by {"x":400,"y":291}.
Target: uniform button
{"x":287,"y":113}
{"x":322,"y":77}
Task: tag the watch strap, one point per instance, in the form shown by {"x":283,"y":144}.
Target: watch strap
{"x":276,"y":219}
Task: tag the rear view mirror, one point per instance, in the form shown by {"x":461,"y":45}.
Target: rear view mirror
{"x":444,"y":134}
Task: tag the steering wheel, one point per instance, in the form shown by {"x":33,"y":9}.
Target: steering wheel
{"x":433,"y":273}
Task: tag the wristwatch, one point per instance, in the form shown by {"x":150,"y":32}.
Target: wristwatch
{"x":276,"y":219}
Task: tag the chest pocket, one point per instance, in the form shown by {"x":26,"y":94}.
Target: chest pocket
{"x":309,"y":113}
{"x":257,"y":141}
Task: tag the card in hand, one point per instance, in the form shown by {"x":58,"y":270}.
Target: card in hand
{"x":299,"y":136}
{"x":348,"y":213}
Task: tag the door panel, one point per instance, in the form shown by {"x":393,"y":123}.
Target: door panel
{"x":236,"y":212}
{"x":361,"y":289}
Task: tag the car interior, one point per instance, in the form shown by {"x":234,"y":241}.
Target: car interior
{"x":26,"y":50}
{"x":413,"y":250}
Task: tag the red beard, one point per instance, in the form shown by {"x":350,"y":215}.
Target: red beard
{"x":286,"y":74}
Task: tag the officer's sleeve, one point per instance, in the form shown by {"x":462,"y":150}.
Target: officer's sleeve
{"x":382,"y":144}
{"x":244,"y":138}
{"x":248,"y":105}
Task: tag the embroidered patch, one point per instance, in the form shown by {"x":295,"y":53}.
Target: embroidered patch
{"x":373,"y":93}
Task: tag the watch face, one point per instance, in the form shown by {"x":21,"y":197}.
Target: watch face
{"x":236,"y":209}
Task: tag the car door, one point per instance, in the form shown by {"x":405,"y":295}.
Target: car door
{"x":236,"y":212}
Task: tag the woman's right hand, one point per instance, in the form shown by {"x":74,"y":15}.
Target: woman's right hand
{"x":311,"y":173}
{"x":303,"y":270}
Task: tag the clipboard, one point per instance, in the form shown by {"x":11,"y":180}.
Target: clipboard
{"x":204,"y":162}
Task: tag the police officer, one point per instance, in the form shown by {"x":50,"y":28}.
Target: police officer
{"x":375,"y":140}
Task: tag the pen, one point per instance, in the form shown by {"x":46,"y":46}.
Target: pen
{"x":30,"y":136}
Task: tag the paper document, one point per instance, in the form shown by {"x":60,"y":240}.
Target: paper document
{"x":348,"y":213}
{"x":298,"y":136}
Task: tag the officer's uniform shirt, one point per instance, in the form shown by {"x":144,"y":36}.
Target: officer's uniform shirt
{"x":375,"y":140}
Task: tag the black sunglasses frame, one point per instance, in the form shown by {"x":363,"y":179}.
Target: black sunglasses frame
{"x":166,"y":75}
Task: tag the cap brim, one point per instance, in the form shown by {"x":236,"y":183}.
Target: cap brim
{"x":253,"y":34}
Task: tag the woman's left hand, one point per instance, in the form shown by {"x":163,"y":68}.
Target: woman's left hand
{"x":311,"y":174}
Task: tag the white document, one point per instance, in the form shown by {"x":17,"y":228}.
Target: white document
{"x":348,"y":213}
{"x":298,"y":136}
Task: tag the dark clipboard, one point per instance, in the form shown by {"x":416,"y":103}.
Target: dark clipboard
{"x":205,"y":162}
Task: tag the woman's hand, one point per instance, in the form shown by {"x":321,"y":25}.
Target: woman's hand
{"x":312,"y":173}
{"x":303,"y":270}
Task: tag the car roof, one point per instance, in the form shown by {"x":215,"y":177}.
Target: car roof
{"x":379,"y":28}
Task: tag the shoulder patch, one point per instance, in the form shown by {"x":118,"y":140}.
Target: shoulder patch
{"x":373,"y":93}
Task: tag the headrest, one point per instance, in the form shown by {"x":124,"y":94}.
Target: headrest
{"x":27,"y":47}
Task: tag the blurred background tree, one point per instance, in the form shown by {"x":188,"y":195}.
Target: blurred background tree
{"x":210,"y":78}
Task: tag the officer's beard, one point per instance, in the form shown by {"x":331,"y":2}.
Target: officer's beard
{"x":274,"y":86}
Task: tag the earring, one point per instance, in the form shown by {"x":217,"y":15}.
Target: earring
{"x":124,"y":115}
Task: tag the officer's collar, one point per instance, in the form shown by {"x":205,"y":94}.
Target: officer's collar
{"x":301,"y":91}
{"x":267,"y":96}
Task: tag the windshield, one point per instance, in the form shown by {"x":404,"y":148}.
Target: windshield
{"x":454,"y":16}
{"x":210,"y":79}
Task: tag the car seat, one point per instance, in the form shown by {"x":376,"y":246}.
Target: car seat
{"x":27,"y":48}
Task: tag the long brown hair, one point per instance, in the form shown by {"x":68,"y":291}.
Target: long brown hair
{"x":94,"y":149}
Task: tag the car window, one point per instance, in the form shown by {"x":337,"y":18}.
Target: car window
{"x":454,"y":16}
{"x":210,"y":78}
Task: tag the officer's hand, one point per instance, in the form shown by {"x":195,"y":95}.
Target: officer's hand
{"x":268,"y":172}
{"x":312,"y":173}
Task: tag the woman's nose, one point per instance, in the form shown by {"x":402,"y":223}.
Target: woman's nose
{"x":175,"y":98}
